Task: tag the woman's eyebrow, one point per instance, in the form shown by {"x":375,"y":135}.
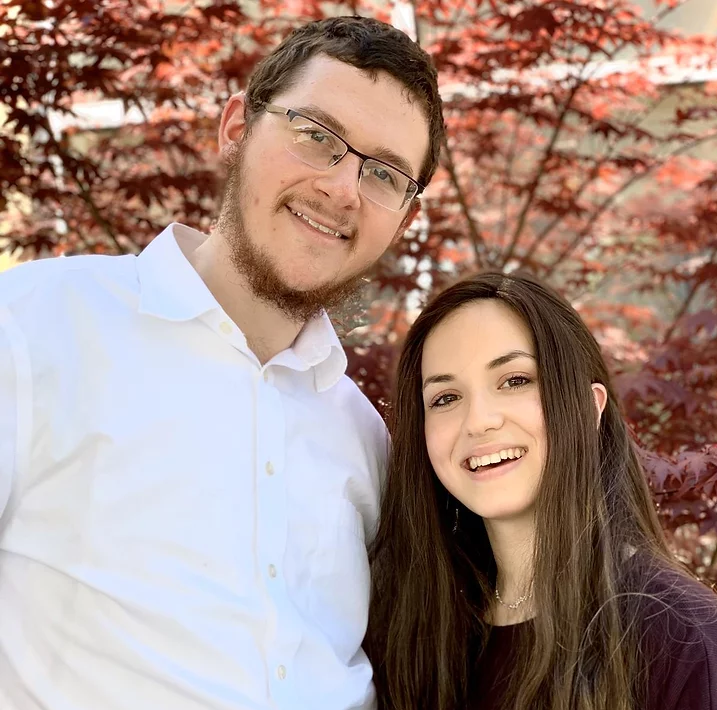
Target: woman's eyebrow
{"x":434,"y":379}
{"x":508,"y":357}
{"x":497,"y":362}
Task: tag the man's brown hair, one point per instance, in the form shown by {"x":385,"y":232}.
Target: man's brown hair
{"x":368,"y":45}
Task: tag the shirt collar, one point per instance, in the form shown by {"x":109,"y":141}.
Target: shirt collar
{"x":317,"y":346}
{"x":170,"y":288}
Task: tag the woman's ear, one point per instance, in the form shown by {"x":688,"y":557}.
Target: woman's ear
{"x":600,"y":395}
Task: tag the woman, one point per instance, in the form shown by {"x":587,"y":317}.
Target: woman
{"x":519,"y":562}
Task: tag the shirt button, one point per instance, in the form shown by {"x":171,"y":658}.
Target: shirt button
{"x":272,"y":571}
{"x":281,"y":672}
{"x":269,"y":468}
{"x":266,"y":375}
{"x":225,"y":327}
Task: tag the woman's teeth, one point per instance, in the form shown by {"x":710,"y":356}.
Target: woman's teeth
{"x":475,"y":462}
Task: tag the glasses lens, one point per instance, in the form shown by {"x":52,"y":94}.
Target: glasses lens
{"x":322,"y":149}
{"x":313,"y":144}
{"x":386,"y":186}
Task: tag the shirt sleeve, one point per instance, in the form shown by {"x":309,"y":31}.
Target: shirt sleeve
{"x":15,"y":404}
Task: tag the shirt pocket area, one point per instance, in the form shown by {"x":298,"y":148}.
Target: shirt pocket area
{"x":338,"y":581}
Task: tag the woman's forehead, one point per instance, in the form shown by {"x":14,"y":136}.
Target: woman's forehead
{"x":476,"y":333}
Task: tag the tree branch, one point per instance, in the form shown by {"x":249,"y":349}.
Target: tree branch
{"x":99,"y":218}
{"x":415,"y":22}
{"x":713,"y":560}
{"x":84,"y":192}
{"x":87,"y":247}
{"x":580,"y":83}
{"x":688,"y":300}
{"x":508,"y":178}
{"x":611,"y":198}
{"x":539,"y":172}
{"x":591,"y":176}
{"x":479,"y":246}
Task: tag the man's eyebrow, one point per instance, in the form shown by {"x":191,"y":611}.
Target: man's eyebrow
{"x":386,"y":155}
{"x":321,"y":116}
{"x":508,"y":357}
{"x":382,"y":153}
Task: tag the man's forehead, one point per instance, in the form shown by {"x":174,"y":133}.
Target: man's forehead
{"x":375,"y":114}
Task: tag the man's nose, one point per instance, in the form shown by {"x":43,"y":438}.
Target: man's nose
{"x":340,"y":183}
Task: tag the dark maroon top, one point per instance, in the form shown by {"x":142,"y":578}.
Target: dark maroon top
{"x":679,"y":643}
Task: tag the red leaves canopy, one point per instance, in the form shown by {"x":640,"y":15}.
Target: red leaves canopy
{"x":581,"y":146}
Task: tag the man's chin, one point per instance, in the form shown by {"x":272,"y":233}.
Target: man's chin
{"x":303,"y":287}
{"x":303,"y":300}
{"x":298,"y":294}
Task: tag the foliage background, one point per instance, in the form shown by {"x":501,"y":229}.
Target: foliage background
{"x":581,"y":147}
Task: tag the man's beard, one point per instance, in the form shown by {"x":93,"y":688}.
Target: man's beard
{"x":256,"y":265}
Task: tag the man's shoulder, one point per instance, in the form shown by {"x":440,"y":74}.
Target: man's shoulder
{"x":348,"y":393}
{"x":49,"y":278}
{"x":348,"y":399}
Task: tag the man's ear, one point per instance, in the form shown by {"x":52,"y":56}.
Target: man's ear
{"x":600,"y":395}
{"x":233,"y":125}
{"x":406,"y":222}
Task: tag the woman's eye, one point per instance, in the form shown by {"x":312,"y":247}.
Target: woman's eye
{"x":443,"y":401}
{"x":515,"y":382}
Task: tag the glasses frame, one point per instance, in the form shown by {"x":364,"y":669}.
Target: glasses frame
{"x":291,"y":113}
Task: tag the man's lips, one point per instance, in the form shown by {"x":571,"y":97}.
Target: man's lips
{"x":318,"y":224}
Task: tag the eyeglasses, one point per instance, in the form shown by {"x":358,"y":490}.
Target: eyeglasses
{"x":319,"y":147}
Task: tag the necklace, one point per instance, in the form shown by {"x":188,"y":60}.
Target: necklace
{"x":517,"y":602}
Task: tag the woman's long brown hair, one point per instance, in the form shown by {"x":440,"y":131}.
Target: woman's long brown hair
{"x":432,"y":588}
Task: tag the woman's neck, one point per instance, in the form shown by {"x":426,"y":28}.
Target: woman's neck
{"x":512,"y":543}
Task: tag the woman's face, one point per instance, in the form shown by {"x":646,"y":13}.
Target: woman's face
{"x":483,"y":416}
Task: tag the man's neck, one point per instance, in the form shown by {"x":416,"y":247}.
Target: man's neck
{"x":267,"y":330}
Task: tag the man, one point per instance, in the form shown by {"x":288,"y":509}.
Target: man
{"x":187,"y":477}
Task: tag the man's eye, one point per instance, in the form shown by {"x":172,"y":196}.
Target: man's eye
{"x":319,"y":137}
{"x":384,"y":175}
{"x":313,"y":134}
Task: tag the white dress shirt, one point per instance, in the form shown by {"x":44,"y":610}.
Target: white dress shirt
{"x":180,"y":527}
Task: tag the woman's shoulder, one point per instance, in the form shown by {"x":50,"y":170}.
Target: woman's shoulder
{"x":676,"y":595}
{"x":679,"y":639}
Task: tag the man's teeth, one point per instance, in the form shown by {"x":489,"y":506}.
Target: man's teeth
{"x":475,"y":462}
{"x":316,"y":225}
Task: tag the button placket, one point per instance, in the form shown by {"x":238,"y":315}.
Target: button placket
{"x":272,"y":529}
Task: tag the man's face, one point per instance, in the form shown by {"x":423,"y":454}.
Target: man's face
{"x":285,"y":259}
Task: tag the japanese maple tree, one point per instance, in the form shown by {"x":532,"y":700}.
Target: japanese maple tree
{"x":581,"y":147}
